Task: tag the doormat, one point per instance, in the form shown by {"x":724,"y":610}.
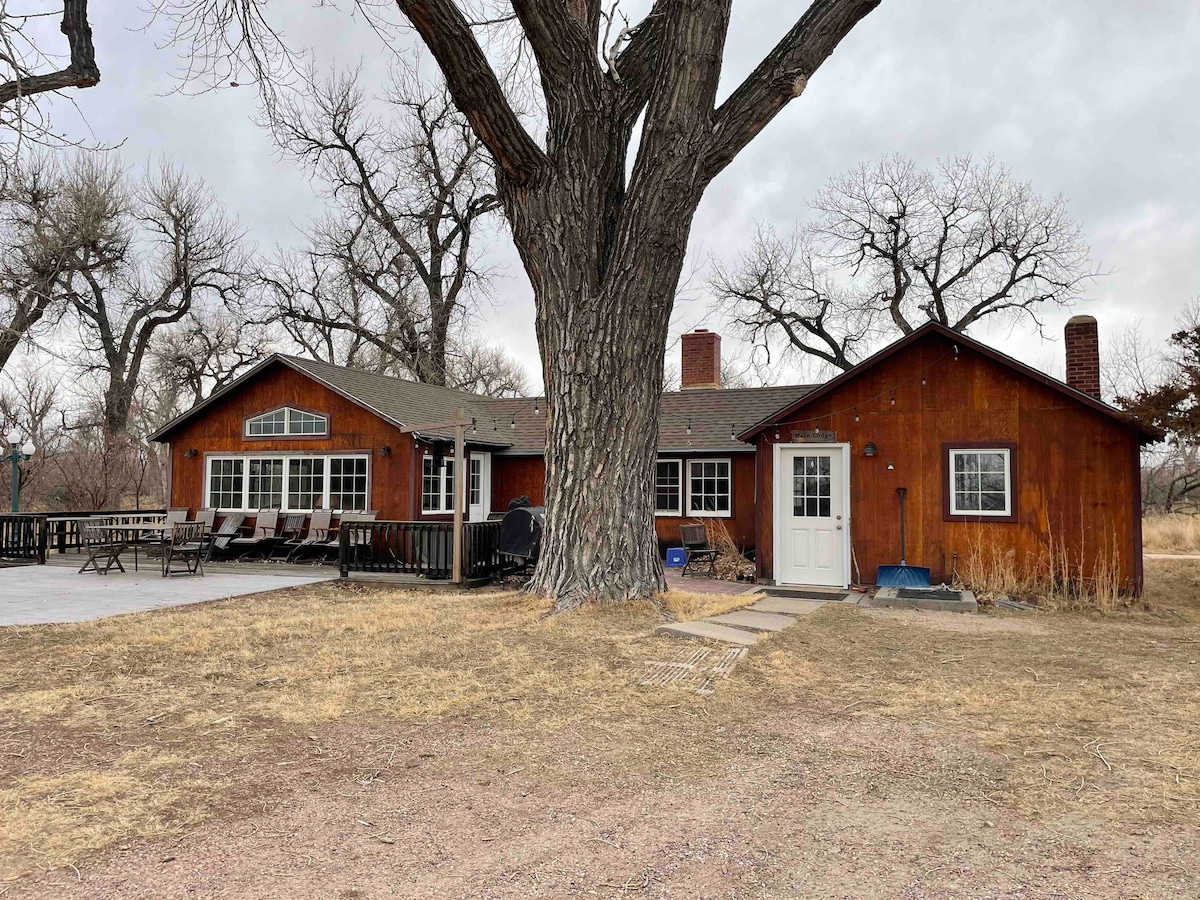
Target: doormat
{"x":694,"y":670}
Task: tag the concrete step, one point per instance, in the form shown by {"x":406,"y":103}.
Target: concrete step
{"x":787,"y":606}
{"x":754,"y":621}
{"x":709,"y":630}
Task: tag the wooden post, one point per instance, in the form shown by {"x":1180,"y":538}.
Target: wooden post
{"x":461,"y":477}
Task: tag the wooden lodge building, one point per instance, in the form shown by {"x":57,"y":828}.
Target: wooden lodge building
{"x":993,"y":453}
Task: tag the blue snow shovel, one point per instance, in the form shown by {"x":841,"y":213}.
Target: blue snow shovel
{"x":902,"y":575}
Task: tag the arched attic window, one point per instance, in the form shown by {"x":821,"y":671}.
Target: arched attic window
{"x":287,"y":422}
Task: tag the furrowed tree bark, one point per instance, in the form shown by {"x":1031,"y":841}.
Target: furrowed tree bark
{"x":604,"y":256}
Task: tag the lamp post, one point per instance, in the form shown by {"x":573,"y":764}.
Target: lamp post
{"x":17,"y":453}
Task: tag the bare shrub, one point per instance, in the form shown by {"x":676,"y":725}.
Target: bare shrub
{"x":731,"y":564}
{"x":1056,"y":577}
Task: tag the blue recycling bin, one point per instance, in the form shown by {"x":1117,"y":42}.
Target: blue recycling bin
{"x":676,"y":557}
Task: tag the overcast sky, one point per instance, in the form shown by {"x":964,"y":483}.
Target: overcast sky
{"x":1094,"y":99}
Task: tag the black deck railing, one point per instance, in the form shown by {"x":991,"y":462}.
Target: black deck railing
{"x":423,"y":549}
{"x":64,"y":526}
{"x":23,"y":537}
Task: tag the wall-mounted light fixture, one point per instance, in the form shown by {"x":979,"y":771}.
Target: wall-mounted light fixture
{"x":385,"y":450}
{"x":870,"y":450}
{"x":192,"y":451}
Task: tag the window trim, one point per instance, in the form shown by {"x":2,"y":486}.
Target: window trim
{"x":678,"y":511}
{"x":948,"y":512}
{"x":287,"y":421}
{"x":690,"y":513}
{"x":442,"y":510}
{"x":286,"y":457}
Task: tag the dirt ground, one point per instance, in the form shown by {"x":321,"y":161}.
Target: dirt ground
{"x":858,"y":754}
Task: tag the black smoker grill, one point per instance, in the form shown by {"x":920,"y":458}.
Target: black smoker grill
{"x":521,"y":535}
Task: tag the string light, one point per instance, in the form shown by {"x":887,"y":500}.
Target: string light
{"x":892,"y":394}
{"x":732,"y":432}
{"x":536,"y":411}
{"x":495,"y":425}
{"x":856,"y":414}
{"x":923,"y":378}
{"x":689,"y":426}
{"x":474,"y":428}
{"x":776,"y":434}
{"x":513,"y":426}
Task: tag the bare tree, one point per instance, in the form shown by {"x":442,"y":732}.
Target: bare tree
{"x":390,"y":274}
{"x":204,"y":352}
{"x":894,"y":246}
{"x":172,"y":249}
{"x":47,"y":216}
{"x":30,"y":401}
{"x":782,"y":297}
{"x":487,"y":370}
{"x":603,"y":238}
{"x":27,"y":60}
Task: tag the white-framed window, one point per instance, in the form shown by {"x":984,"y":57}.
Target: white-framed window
{"x":226,"y":483}
{"x":668,"y":487}
{"x":981,"y":482}
{"x":298,"y":483}
{"x":710,"y":487}
{"x":437,"y":486}
{"x":287,"y":422}
{"x":476,"y":486}
{"x":347,"y":482}
{"x":812,"y":484}
{"x":264,"y":482}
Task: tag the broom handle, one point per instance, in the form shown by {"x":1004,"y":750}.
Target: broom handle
{"x":900,"y":491}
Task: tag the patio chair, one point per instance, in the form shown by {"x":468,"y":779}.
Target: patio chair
{"x":290,"y":531}
{"x":231,"y":527}
{"x":206,"y":517}
{"x":101,"y":544}
{"x":185,"y":545}
{"x":316,"y":539}
{"x":695,"y":542}
{"x":262,"y":542}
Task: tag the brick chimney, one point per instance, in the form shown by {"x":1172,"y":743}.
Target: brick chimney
{"x":1083,"y":354}
{"x":701,"y":360}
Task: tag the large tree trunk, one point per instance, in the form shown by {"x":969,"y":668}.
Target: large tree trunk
{"x":602,"y":321}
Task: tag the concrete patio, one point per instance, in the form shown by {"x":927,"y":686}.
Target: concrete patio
{"x":40,"y":595}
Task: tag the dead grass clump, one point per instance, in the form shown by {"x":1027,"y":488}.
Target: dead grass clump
{"x":687,"y":606}
{"x":1171,"y":533}
{"x":731,"y":565}
{"x":1058,"y":577}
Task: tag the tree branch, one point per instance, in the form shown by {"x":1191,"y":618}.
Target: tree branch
{"x":474,"y":86}
{"x":81,"y":73}
{"x":781,"y":77}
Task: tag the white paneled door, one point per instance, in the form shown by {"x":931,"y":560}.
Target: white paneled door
{"x":811,"y":517}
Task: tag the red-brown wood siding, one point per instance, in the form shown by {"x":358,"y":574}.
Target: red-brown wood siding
{"x":1076,"y":477}
{"x":219,"y":429}
{"x":526,"y":475}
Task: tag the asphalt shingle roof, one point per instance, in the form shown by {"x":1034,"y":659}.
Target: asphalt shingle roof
{"x":512,"y":425}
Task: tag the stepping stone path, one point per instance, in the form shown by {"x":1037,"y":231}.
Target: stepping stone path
{"x":742,"y":628}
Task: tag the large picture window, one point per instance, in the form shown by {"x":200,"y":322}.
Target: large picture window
{"x":709,"y":487}
{"x":437,"y":486}
{"x":287,"y":422}
{"x":668,"y":488}
{"x":980,"y":481}
{"x":299,"y":483}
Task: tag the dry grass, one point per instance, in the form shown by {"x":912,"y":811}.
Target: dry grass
{"x":1095,"y":714}
{"x":143,"y":725}
{"x":1057,"y":578}
{"x":1171,"y":533}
